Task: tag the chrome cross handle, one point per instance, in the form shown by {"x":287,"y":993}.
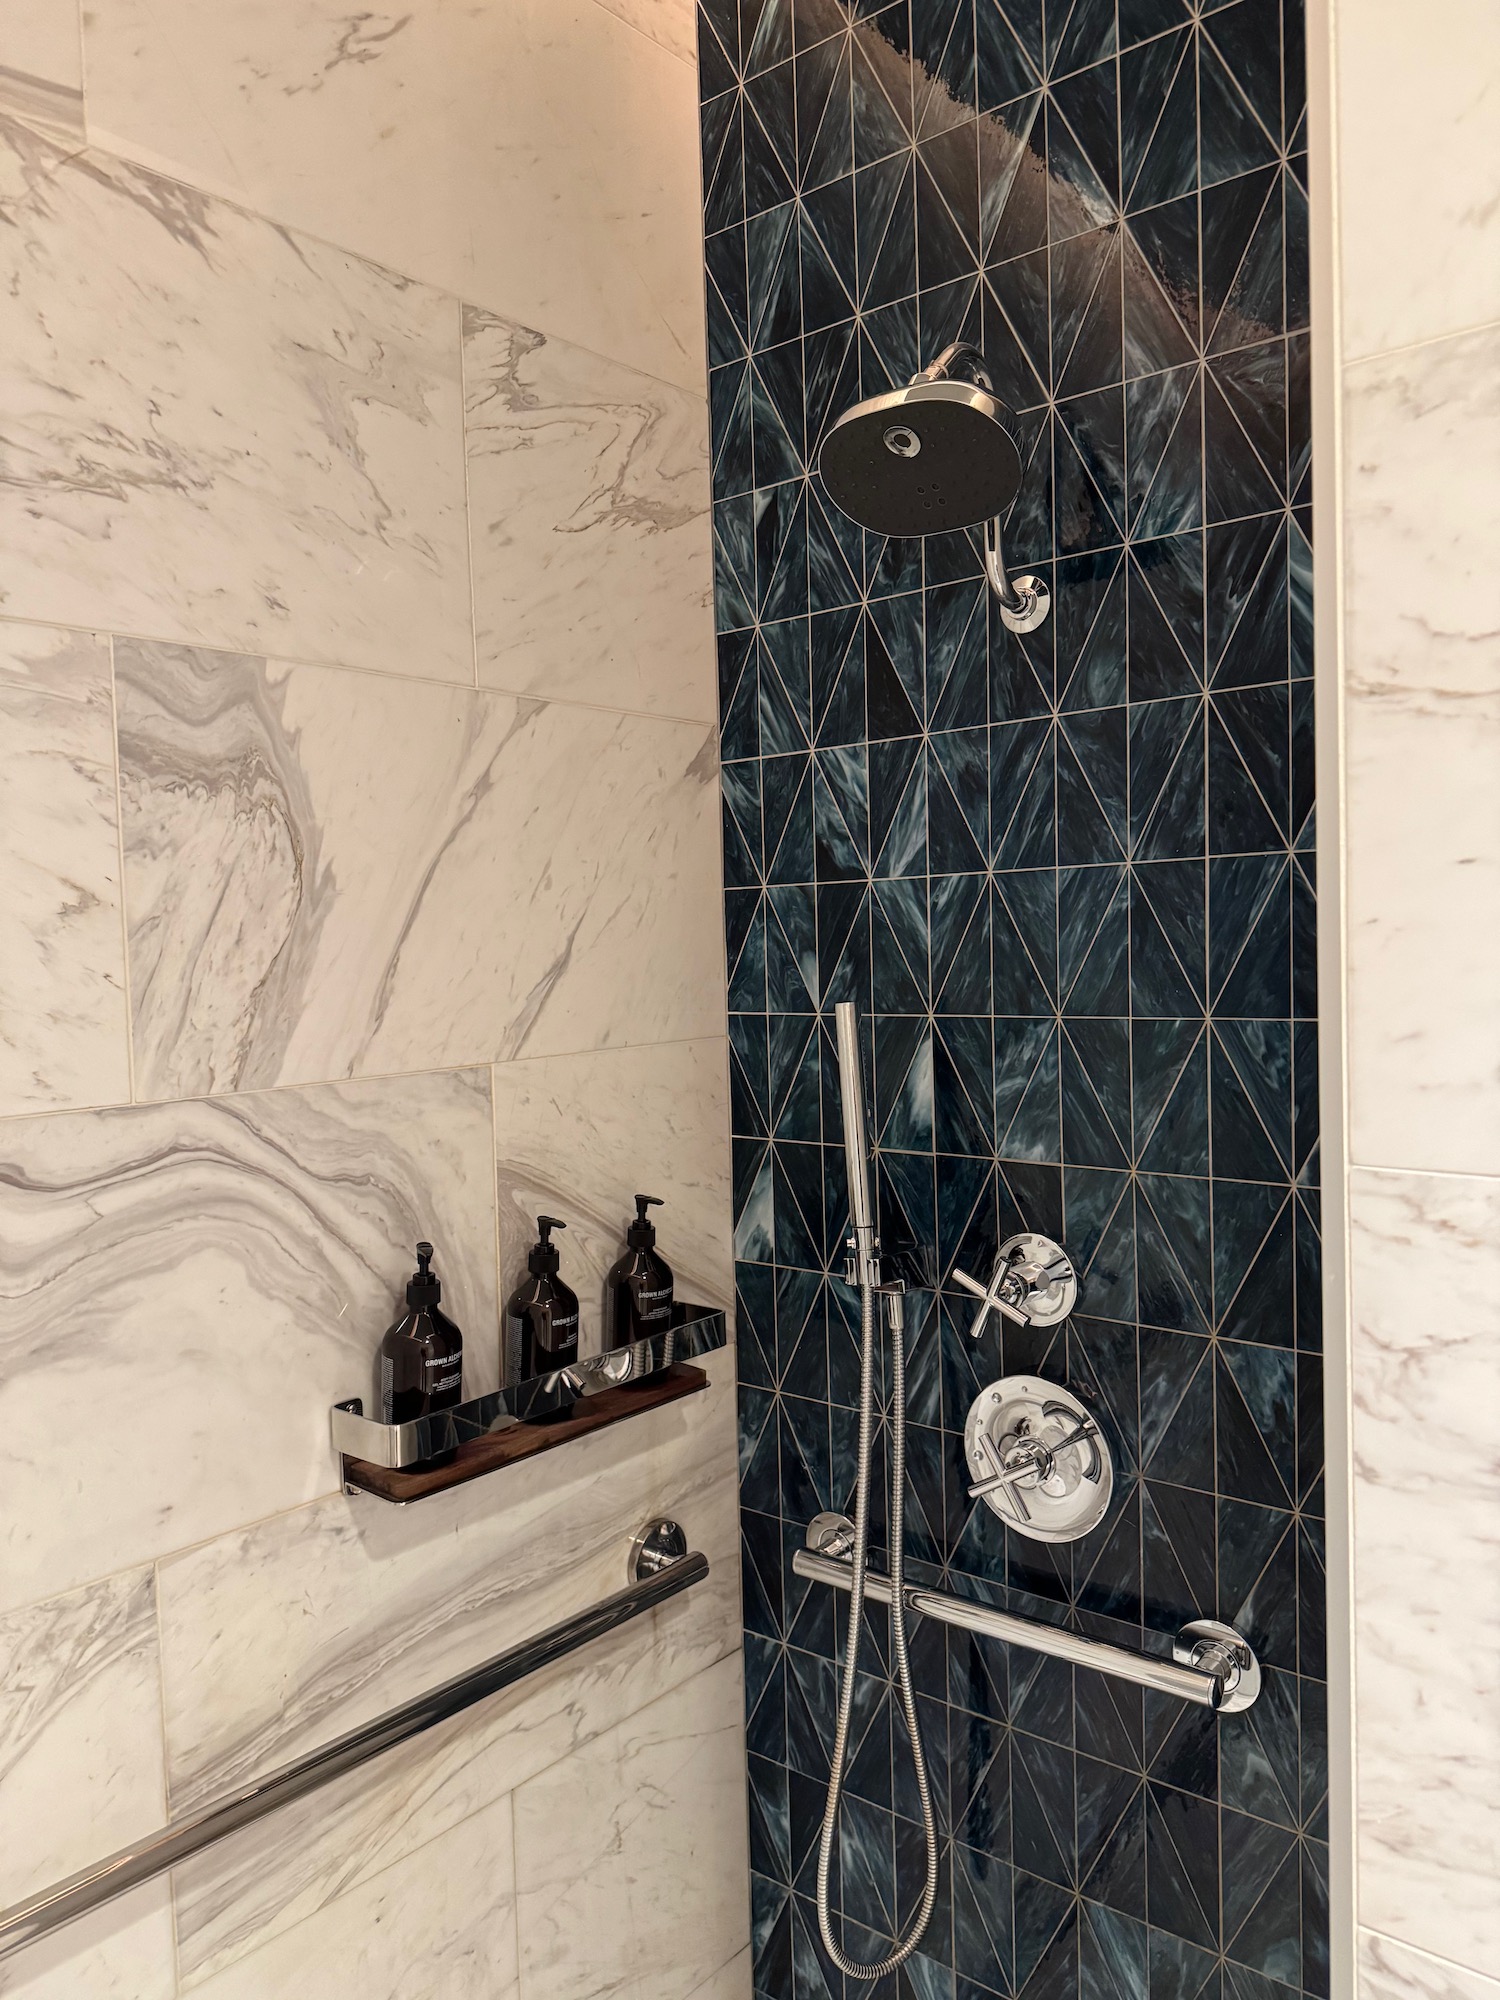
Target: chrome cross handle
{"x":1034,"y":1283}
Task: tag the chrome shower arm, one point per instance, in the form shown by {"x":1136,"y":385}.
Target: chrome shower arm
{"x":958,"y":355}
{"x":1025,"y":603}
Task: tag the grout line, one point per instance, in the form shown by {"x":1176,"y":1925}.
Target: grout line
{"x":1347,"y":363}
{"x":282,"y":660}
{"x":122,"y":154}
{"x":478,"y":1062}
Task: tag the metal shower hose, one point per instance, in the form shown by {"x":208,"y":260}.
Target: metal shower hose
{"x":867,"y":1323}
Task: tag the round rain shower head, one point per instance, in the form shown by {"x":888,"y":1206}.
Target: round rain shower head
{"x":921,"y":460}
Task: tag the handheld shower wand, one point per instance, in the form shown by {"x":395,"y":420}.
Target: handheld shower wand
{"x":865,"y":1273}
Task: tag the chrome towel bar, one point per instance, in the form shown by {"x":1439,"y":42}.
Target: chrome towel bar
{"x":661,"y":1570}
{"x":1211,"y":1664}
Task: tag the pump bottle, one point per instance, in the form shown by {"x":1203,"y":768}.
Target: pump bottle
{"x":639,"y":1287}
{"x":421,"y":1357}
{"x":541,"y":1317}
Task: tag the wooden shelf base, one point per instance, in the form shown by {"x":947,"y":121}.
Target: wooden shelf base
{"x":527,"y":1440}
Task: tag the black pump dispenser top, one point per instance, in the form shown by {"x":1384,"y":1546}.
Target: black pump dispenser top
{"x":641,"y":1235}
{"x":424,"y":1287}
{"x":543,"y":1260}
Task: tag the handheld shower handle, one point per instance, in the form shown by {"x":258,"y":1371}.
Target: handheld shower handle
{"x":856,"y":1159}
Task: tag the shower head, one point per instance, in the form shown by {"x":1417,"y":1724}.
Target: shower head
{"x":931,"y":456}
{"x":935,"y":456}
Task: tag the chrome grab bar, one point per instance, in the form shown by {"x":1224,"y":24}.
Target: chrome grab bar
{"x":661,"y":1572}
{"x":1212,"y":1665}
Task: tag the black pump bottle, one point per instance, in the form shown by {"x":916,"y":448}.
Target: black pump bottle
{"x":421,"y":1357}
{"x":541,"y":1318}
{"x":640,"y":1285}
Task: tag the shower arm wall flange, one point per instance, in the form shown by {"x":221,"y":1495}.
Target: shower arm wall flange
{"x":1024,"y":603}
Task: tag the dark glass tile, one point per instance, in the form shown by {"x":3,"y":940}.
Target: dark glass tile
{"x":825,"y":132}
{"x":1079,"y":196}
{"x":982,"y":1918}
{"x":1262,"y":1898}
{"x":1158,"y":122}
{"x":1159,"y":257}
{"x":828,"y":774}
{"x":1169,"y":1073}
{"x":1012,"y":146}
{"x":1166,"y":779}
{"x":1083,"y":32}
{"x":1112,"y":1954}
{"x":947,"y":208}
{"x":1004,"y":70}
{"x":1230,"y":136}
{"x":1182,"y":1862}
{"x":1045,"y":1923}
{"x":1242,"y":259}
{"x":1041,"y":1804}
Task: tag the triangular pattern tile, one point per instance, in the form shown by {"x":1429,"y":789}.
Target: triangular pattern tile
{"x":1067,"y":879}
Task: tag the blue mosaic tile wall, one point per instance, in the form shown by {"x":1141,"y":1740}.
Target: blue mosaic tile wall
{"x":1068,"y":880}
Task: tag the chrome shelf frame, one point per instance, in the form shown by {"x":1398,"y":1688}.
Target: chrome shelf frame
{"x":660,"y":1571}
{"x":1212,"y":1666}
{"x":695,"y":1330}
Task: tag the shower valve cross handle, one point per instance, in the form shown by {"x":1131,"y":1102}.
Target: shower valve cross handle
{"x":1034,"y":1283}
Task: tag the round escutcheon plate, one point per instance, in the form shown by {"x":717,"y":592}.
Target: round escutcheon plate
{"x":1038,"y":1458}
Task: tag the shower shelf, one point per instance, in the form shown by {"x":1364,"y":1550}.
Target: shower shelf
{"x":493,"y":1431}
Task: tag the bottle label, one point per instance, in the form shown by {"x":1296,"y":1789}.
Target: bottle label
{"x":387,"y":1390}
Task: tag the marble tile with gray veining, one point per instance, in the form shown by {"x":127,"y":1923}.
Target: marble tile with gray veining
{"x":50,"y":659}
{"x":631,"y":1856}
{"x":330,"y":873}
{"x":41,"y":76}
{"x":1422,"y":649}
{"x":475,"y":146}
{"x":1418,"y":166}
{"x":64,"y":1039}
{"x":1392,"y":1971}
{"x":81,"y":1761}
{"x":120,"y":1952}
{"x":673,"y":23}
{"x":441,"y":1924}
{"x":220,"y":433}
{"x":283,"y":1635}
{"x":588,"y":496}
{"x":579,"y":1136}
{"x":1425,"y":1288}
{"x":189,"y":1287}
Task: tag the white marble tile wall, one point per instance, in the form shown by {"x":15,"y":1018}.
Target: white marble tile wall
{"x":63,"y":1037}
{"x":586,"y":477}
{"x":330,"y":874}
{"x":204,"y":1279}
{"x":1419,"y":171}
{"x":429,"y":138}
{"x":1391,"y":1971}
{"x":41,"y":75}
{"x":358,"y":881}
{"x":1418,"y":282}
{"x":601,"y":1907}
{"x":1425,"y":1254}
{"x":1422,"y":636}
{"x":570,"y":1142}
{"x":219,"y":432}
